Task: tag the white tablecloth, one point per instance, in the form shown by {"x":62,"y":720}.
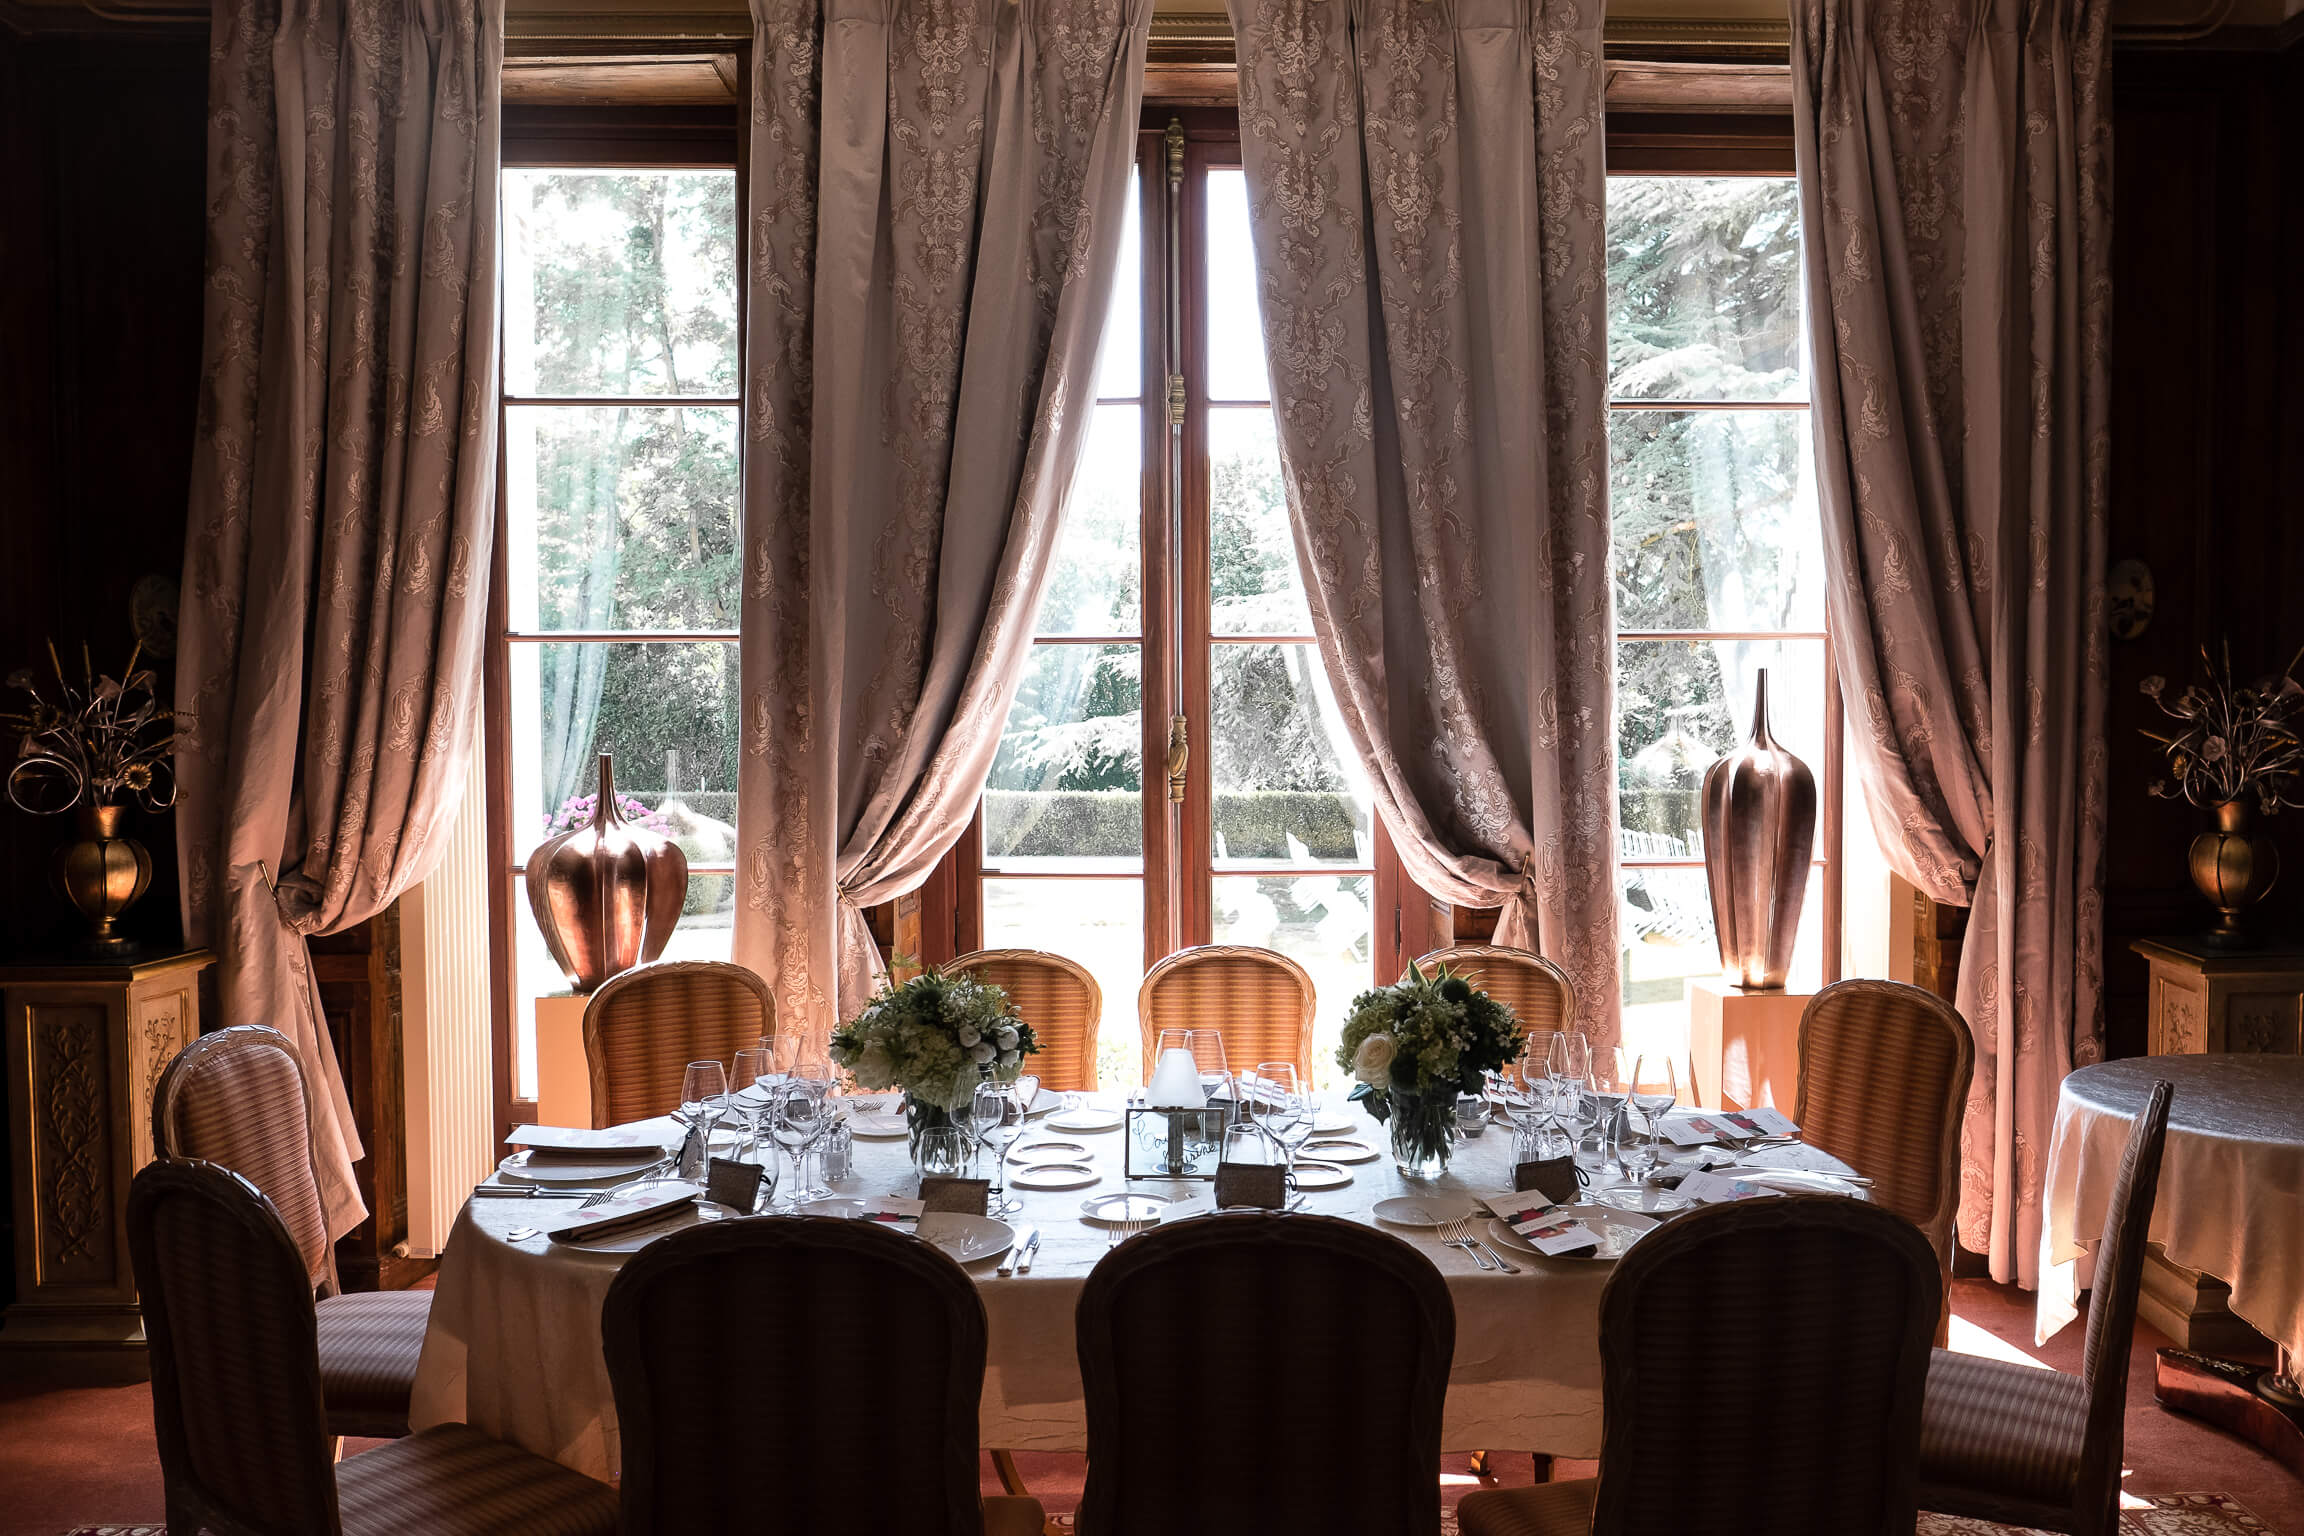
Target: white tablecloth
{"x":2231,"y":1199}
{"x":514,"y":1344}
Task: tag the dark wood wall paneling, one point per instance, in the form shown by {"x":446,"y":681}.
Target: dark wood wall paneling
{"x":2207,"y":470}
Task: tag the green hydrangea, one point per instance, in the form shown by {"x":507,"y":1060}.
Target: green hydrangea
{"x":1429,"y":1035}
{"x":935,"y":1038}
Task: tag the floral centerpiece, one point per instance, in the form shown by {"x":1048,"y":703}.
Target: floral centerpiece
{"x":1417,"y":1045}
{"x":2235,"y":751}
{"x":935,"y":1038}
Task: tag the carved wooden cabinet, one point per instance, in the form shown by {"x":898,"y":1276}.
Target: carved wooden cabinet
{"x":85,"y":1044}
{"x":2204,"y":999}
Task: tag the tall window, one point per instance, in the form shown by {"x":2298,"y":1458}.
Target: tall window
{"x":1719,"y":561}
{"x":620,"y":527}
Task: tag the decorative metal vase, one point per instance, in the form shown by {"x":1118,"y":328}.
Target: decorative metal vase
{"x":2234,"y":869}
{"x":104,"y":873}
{"x":1759,"y":833}
{"x":606,"y":895}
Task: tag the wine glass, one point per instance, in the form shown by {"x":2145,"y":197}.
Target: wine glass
{"x":1609,"y":1080}
{"x":797,"y":1117}
{"x":1207,"y":1048}
{"x":1532,"y":1102}
{"x":1654,"y":1089}
{"x":997,"y":1116}
{"x":751,"y":1066}
{"x":1592,"y":1142}
{"x":1284,"y":1108}
{"x":704,"y":1098}
{"x":1569,"y":1057}
{"x":812,"y":1074}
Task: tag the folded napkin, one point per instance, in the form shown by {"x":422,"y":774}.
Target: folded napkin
{"x":620,"y":1215}
{"x":641,"y":1137}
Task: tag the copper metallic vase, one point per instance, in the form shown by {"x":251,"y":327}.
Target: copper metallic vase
{"x":2234,"y":869}
{"x":104,"y":873}
{"x":1759,"y":834}
{"x":607,"y":895}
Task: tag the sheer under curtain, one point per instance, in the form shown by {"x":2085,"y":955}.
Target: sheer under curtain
{"x":343,"y":491}
{"x":937,"y":190}
{"x":1426,"y":185}
{"x":1955,"y":179}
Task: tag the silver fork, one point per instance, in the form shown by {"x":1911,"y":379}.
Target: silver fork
{"x":1458,"y":1234}
{"x":1481,"y":1244}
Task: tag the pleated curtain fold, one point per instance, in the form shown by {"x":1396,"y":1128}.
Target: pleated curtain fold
{"x":937,"y":190}
{"x":1427,"y":194}
{"x":343,"y":492}
{"x":1955,"y":183}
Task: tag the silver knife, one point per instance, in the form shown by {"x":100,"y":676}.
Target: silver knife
{"x":1031,"y":1247}
{"x":1024,"y":1240}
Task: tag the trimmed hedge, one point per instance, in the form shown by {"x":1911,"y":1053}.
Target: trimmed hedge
{"x":1109,"y":823}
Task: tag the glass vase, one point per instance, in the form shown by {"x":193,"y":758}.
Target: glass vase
{"x":921,"y":1117}
{"x":1423,"y":1133}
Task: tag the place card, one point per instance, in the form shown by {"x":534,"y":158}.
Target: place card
{"x":966,"y":1197}
{"x":1708,"y":1188}
{"x":733,"y":1184}
{"x":1761,"y":1120}
{"x":1251,"y":1184}
{"x":1554,"y":1178}
{"x":1543,"y":1224}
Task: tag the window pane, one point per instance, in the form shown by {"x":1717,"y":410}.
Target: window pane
{"x":668,"y":714}
{"x":1099,"y":923}
{"x":1289,"y":788}
{"x":1324,"y":923}
{"x":1665,"y":926}
{"x":619,"y":282}
{"x":1066,"y":791}
{"x":1235,"y":332}
{"x":1681,"y":704}
{"x":621,"y":517}
{"x":1704,"y":288}
{"x":1120,"y":366}
{"x":1715,"y":521}
{"x":1254,"y":587}
{"x":1097,"y":586}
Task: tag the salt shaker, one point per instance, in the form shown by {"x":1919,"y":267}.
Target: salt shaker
{"x":839,"y":1151}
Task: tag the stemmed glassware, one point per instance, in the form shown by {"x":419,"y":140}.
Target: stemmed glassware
{"x":996,"y":1113}
{"x":751,"y":1067}
{"x":796,"y":1117}
{"x":1654,"y":1089}
{"x":812,"y":1075}
{"x":1284,"y":1108}
{"x":703,"y":1098}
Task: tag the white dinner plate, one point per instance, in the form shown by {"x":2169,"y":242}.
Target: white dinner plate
{"x":968,"y":1239}
{"x":1329,"y":1123}
{"x":1086,"y":1120}
{"x":1423,"y":1210}
{"x":1340,"y":1151}
{"x":526,"y":1168}
{"x":879,"y":1125}
{"x":1617,"y":1231}
{"x":1312,"y":1175}
{"x":1050,"y":1152}
{"x":1129,"y":1209}
{"x":1054,"y":1176}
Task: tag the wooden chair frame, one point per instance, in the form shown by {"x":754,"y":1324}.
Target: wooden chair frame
{"x":595,"y":1010}
{"x":1458,"y":957}
{"x":1207,"y":954}
{"x":977,"y":959}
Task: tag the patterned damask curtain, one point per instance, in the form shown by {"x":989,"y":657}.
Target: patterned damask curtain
{"x":1426,"y":186}
{"x":344,"y":472}
{"x":1955,"y":182}
{"x":937,"y":193}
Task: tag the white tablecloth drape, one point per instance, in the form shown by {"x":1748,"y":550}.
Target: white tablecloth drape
{"x":514,"y":1345}
{"x":2231,"y":1197}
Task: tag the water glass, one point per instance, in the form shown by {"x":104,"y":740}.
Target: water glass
{"x":796,"y":1119}
{"x":703,"y":1098}
{"x":996,"y":1114}
{"x":943,"y":1150}
{"x":1655,"y":1088}
{"x":1285,"y":1107}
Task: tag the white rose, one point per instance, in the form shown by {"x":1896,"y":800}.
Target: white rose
{"x":969,"y":1034}
{"x":981,"y":1052}
{"x":1011,"y":1058}
{"x":1006,"y":1035}
{"x":873,"y":1067}
{"x":1372,"y":1063}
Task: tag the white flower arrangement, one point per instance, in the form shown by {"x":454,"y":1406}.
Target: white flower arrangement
{"x":935,"y":1038}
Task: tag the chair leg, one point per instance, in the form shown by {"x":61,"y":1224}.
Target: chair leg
{"x":1011,"y":1480}
{"x":1543,"y":1466}
{"x":1482,"y":1465}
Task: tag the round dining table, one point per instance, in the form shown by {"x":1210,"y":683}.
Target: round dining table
{"x":513,"y":1347}
{"x":2231,"y":1193}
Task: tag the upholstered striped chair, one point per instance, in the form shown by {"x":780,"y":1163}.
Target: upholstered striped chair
{"x":1530,"y":985}
{"x":1254,"y":1371}
{"x":1884,"y":1071}
{"x":708,"y":1433}
{"x":239,"y":1098}
{"x":236,"y":1393}
{"x":1811,"y":1314}
{"x":1061,"y":1002}
{"x":643,"y":1027}
{"x":1260,"y":1001}
{"x":2041,"y":1449}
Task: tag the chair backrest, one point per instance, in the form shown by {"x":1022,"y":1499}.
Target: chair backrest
{"x":1530,"y":985}
{"x":1259,"y":1000}
{"x":235,"y":1358}
{"x":643,"y":1027}
{"x":239,"y":1098}
{"x":1884,"y":1072}
{"x":2119,"y":1274}
{"x":824,"y":1371}
{"x":1812,"y":1315}
{"x":1061,"y":1002}
{"x":1254,"y":1371}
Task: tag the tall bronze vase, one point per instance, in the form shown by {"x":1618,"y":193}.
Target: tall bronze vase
{"x":608,"y":895}
{"x":2234,"y":869}
{"x":104,"y":873}
{"x":1759,"y":833}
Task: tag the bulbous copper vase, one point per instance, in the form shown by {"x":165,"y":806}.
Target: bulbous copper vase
{"x":607,"y":895}
{"x":104,"y":873}
{"x":2234,"y":869}
{"x":1759,"y":831}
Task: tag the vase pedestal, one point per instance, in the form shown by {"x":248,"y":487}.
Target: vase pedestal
{"x":563,"y":1079}
{"x":1745,"y":1042}
{"x":85,"y":1044}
